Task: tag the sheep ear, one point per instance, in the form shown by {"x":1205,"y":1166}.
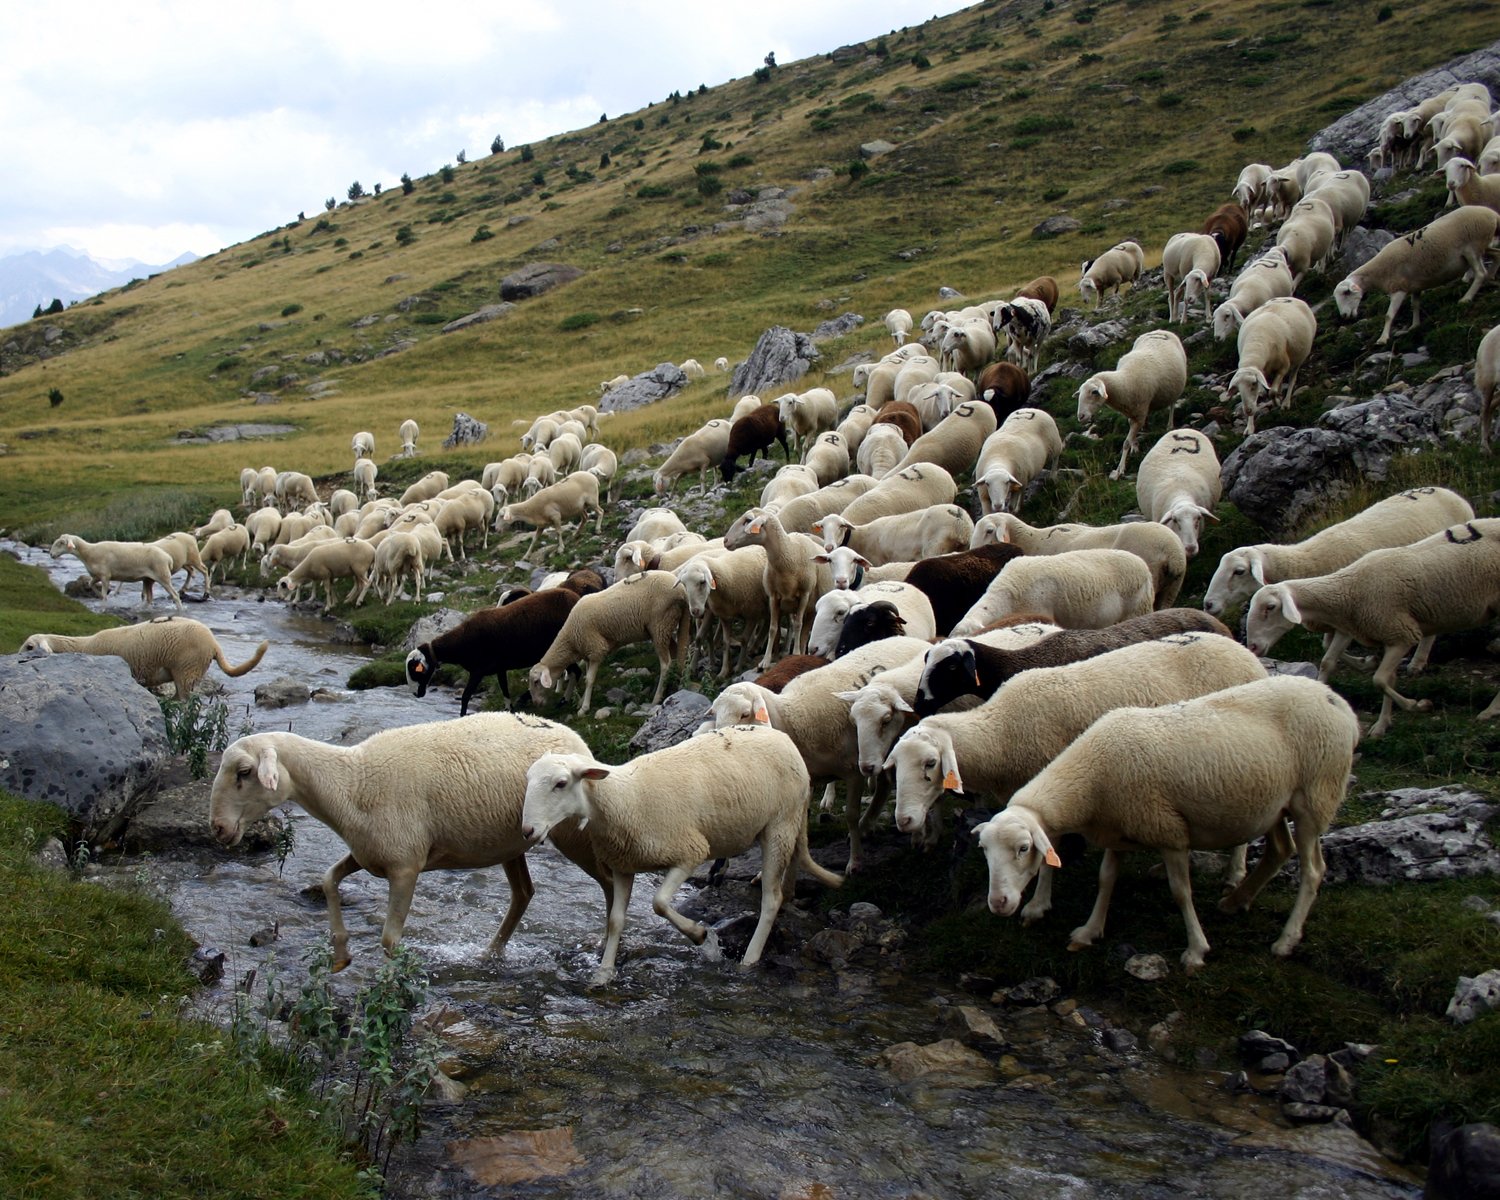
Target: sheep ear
{"x":1289,"y":608}
{"x":754,"y":526}
{"x":761,"y":716}
{"x":821,"y":558}
{"x":817,"y":527}
{"x":902,"y":706}
{"x":949,"y":764}
{"x":1044,"y":844}
{"x":266,"y":769}
{"x":846,"y":697}
{"x":1258,"y":570}
{"x":1205,"y":512}
{"x":545,"y":678}
{"x":595,"y":773}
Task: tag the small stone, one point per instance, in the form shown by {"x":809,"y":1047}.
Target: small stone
{"x":1274,"y":1064}
{"x":1120,"y":1040}
{"x":1065,"y":1008}
{"x":976,"y":985}
{"x":207,"y":965}
{"x":972,"y":1026}
{"x":1311,"y":1114}
{"x":1474,"y":997}
{"x":603,"y":714}
{"x":862,"y":911}
{"x":264,"y":937}
{"x":1148,"y":967}
{"x":1477,"y":904}
{"x":1306,"y":1082}
{"x":1257,"y":1044}
{"x":1040,"y":990}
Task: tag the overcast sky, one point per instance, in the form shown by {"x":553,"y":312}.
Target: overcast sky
{"x":145,"y":129}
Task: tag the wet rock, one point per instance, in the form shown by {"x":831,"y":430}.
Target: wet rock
{"x":514,"y":1158}
{"x":949,"y":1058}
{"x":1411,"y":846}
{"x":1311,"y":1114}
{"x":77,"y":731}
{"x":1274,"y":1064}
{"x":833,"y":946}
{"x":663,"y":380}
{"x":1042,"y":989}
{"x":1472,"y":998}
{"x":424,"y":629}
{"x":535,"y":278}
{"x":467,"y":431}
{"x":176,"y":817}
{"x":972,"y":1026}
{"x":1120,"y":1040}
{"x":207,"y":965}
{"x":1306,"y":1082}
{"x":264,"y":937}
{"x":1148,"y":967}
{"x":780,"y":358}
{"x":1257,"y":1044}
{"x":1464,"y":1163}
{"x":680,"y":713}
{"x":281,"y":692}
{"x":841,"y":325}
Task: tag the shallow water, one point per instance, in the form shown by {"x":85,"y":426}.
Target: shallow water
{"x":688,"y":1077}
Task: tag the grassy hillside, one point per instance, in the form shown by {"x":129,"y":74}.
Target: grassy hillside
{"x":1133,"y":116}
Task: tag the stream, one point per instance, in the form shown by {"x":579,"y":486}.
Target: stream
{"x":688,"y":1077}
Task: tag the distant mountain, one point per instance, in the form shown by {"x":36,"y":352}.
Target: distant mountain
{"x":41,"y":276}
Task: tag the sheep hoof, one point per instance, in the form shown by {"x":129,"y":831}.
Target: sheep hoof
{"x":1282,"y":947}
{"x":1030,"y":917}
{"x":1424,"y":706}
{"x":602,"y":978}
{"x":1190,"y":963}
{"x":340,"y":961}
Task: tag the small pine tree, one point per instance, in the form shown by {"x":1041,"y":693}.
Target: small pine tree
{"x":55,"y":307}
{"x":447,"y":173}
{"x":377,"y":189}
{"x":55,"y":397}
{"x":639,"y":124}
{"x":770,"y":59}
{"x":604,"y":159}
{"x":462,"y":157}
{"x":407,"y":186}
{"x":36,"y":312}
{"x":356,"y":190}
{"x":526,"y":154}
{"x":498,"y":145}
{"x":603,"y":117}
{"x":330,"y":204}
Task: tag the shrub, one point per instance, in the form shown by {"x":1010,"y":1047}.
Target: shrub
{"x":55,"y":397}
{"x":1055,"y":193}
{"x":539,"y":177}
{"x":1169,"y":100}
{"x":1244,"y":133}
{"x":1385,"y":14}
{"x":920,"y":61}
{"x":710,"y":185}
{"x":1182,"y":166}
{"x":526,"y":154}
{"x":579,"y":321}
{"x":356,"y":190}
{"x":447,"y":173}
{"x":739,"y":160}
{"x":858,"y":168}
{"x":291,"y":309}
{"x":404,"y":236}
{"x":762,"y":74}
{"x":653,"y":191}
{"x":1042,"y":124}
{"x":482,"y":234}
{"x":1085,"y":60}
{"x":959,"y":83}
{"x":498,"y":145}
{"x":709,"y":143}
{"x":707,"y":168}
{"x":462,"y":157}
{"x":407,"y":186}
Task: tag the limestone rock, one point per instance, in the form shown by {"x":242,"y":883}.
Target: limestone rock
{"x":1472,"y":998}
{"x":843,"y":324}
{"x":1147,"y":967}
{"x":972,"y":1025}
{"x":1407,"y":845}
{"x":1055,"y":226}
{"x":424,"y":629}
{"x":281,"y":692}
{"x":779,"y":359}
{"x":490,"y":312}
{"x":680,"y":713}
{"x":875,"y":149}
{"x":535,"y":278}
{"x":663,"y":380}
{"x":1361,"y":245}
{"x":1278,"y":476}
{"x":466,"y":431}
{"x":1096,"y":337}
{"x":908,"y":1061}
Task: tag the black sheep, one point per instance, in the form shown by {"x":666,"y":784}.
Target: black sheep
{"x":954,"y":582}
{"x":757,"y":430}
{"x":869,"y":623}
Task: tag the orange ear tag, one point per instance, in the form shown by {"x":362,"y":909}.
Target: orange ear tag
{"x":1052,"y":859}
{"x":951,"y":783}
{"x":761,"y":715}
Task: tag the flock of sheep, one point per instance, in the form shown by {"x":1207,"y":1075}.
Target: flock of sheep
{"x":903,"y":648}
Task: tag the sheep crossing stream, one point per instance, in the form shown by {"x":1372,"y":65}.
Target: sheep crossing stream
{"x":687,"y":1078}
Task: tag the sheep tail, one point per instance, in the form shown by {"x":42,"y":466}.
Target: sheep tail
{"x":805,"y":861}
{"x":248,"y":664}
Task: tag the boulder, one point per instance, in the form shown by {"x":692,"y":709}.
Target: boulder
{"x":949,"y":1059}
{"x":424,"y":629}
{"x":466,"y":431}
{"x":1464,"y":1163}
{"x":663,"y":380}
{"x":844,"y":323}
{"x":875,"y":149}
{"x":1055,"y":226}
{"x":1361,"y":245}
{"x":1425,"y":834}
{"x":1278,"y":476}
{"x":1096,"y":337}
{"x":1472,"y":998}
{"x":281,"y":692}
{"x":780,"y":358}
{"x":77,"y":731}
{"x":680,"y":713}
{"x":489,"y":312}
{"x":535,"y":278}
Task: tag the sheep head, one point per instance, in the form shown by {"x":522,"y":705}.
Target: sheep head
{"x":1093,"y":394}
{"x":1015,"y":847}
{"x":249,"y":783}
{"x":557,"y":788}
{"x":1347,"y":295}
{"x":1273,"y":610}
{"x":926,"y":766}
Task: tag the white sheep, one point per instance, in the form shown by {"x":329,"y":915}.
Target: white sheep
{"x":565,"y":450}
{"x":1489,"y":157}
{"x":898,"y":324}
{"x":222,"y":519}
{"x":833,"y":607}
{"x":1155,"y":545}
{"x":602,"y":463}
{"x":1268,"y":277}
{"x":933,"y":401}
{"x":788,"y":483}
{"x":634,"y":557}
{"x":609,"y":385}
{"x":849,"y":569}
{"x":881,"y":451}
{"x":1015,"y":454}
{"x":1436,"y":254}
{"x":1120,"y":264}
{"x":425,"y":488}
{"x":730,"y":585}
{"x":398,"y":557}
{"x":1078,"y":589}
{"x":460,"y":810}
{"x":182,"y":549}
{"x":575,"y":496}
{"x":1397,"y":520}
{"x":363,"y":445}
{"x":954,"y":444}
{"x":540,"y":472}
{"x":828,"y":458}
{"x":647,"y":607}
{"x":1347,"y":194}
{"x":702,"y":451}
{"x":127,"y":562}
{"x":654,"y":523}
{"x":797,"y":515}
{"x":1150,"y":375}
{"x":969,"y":346}
{"x":1210,"y":773}
{"x":364,"y":474}
{"x":1250,"y":191}
{"x":721,"y":364}
{"x":294,"y":490}
{"x":674,"y":809}
{"x":343,"y":558}
{"x":692,"y":368}
{"x":408,"y":434}
{"x":1274,"y":341}
{"x":264,"y":525}
{"x":1004,"y":742}
{"x":1306,"y":239}
{"x":855,"y":425}
{"x":222,"y":544}
{"x":1188,"y":265}
{"x":1178,"y":485}
{"x":1487,"y":384}
{"x":175,"y":650}
{"x":807,"y":414}
{"x":791,"y":579}
{"x":908,"y":489}
{"x":1394,"y":599}
{"x":1466,"y":185}
{"x":904,"y":537}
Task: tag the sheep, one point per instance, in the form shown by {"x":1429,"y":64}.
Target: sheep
{"x":175,"y":650}
{"x":1077,"y":589}
{"x":1174,"y":779}
{"x":903,"y":537}
{"x":1150,"y":375}
{"x":912,"y":372}
{"x":856,"y":423}
{"x":872,"y":622}
{"x":969,"y":667}
{"x":493,"y":641}
{"x":470,"y":509}
{"x":1155,"y":545}
{"x":425,"y":488}
{"x":731,"y":586}
{"x":849,"y":570}
{"x":342,"y":502}
{"x":345,"y":558}
{"x":565,"y":450}
{"x":898,"y":324}
{"x":1394,"y":599}
{"x":1467,"y":186}
{"x":1347,"y":194}
{"x":1489,"y":157}
{"x":264,"y":525}
{"x":702,"y":450}
{"x":295,"y":528}
{"x":721,"y":364}
{"x":833,"y":609}
{"x":798,"y":515}
{"x":1178,"y":485}
{"x":807,"y":414}
{"x":540,"y":435}
{"x":182,"y":549}
{"x":1250,"y":188}
{"x":791,"y":481}
{"x":1120,"y":264}
{"x":398,"y":556}
{"x":881,"y":449}
{"x":265,"y":485}
{"x":1397,"y":520}
{"x":540,"y":472}
{"x":786,"y":670}
{"x":647,"y":607}
{"x":1267,"y":278}
{"x":1487,"y":384}
{"x":968,"y":347}
{"x":828,"y":458}
{"x":1436,"y":254}
{"x":609,"y":385}
{"x":1463,"y":137}
{"x":634,"y":557}
{"x":904,"y":417}
{"x":1188,"y":264}
{"x":1004,"y":387}
{"x":692,"y":368}
{"x":955,"y":582}
{"x":1274,"y":341}
{"x":1026,"y":322}
{"x":408,"y":434}
{"x":1011,"y":457}
{"x":751,"y":433}
{"x":810,"y":710}
{"x":655,"y":523}
{"x":431,"y":541}
{"x":791,"y":576}
{"x":933,"y":401}
{"x":294,"y":489}
{"x":1006,"y":741}
{"x":574,"y":496}
{"x":363,"y":445}
{"x":364,"y":473}
{"x":909,"y":488}
{"x":222,"y":519}
{"x":439,"y":796}
{"x":222,"y":544}
{"x":249,"y":496}
{"x":746,"y":786}
{"x":1043,"y":288}
{"x":602,"y":463}
{"x":1306,"y":239}
{"x":126,"y":561}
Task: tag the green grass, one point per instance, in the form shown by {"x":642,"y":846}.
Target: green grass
{"x":29,"y":603}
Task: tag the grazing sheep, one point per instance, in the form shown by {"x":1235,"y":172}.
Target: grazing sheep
{"x":882,"y":448}
{"x":955,"y":443}
{"x":1274,"y":341}
{"x":1178,"y":485}
{"x":902,"y":416}
{"x":1026,"y":322}
{"x":342,"y":558}
{"x":1155,"y":545}
{"x":828,"y":458}
{"x":175,"y":650}
{"x":1077,"y":589}
{"x":1397,"y":520}
{"x":1467,"y":186}
{"x":654,"y":524}
{"x":702,"y":451}
{"x":805,"y":415}
{"x":1487,"y":384}
{"x":751,"y":433}
{"x":609,"y":385}
{"x":955,"y":582}
{"x":1262,"y":280}
{"x":1347,"y":194}
{"x":364,"y":473}
{"x":721,"y":364}
{"x":222,"y":519}
{"x":968,"y":347}
{"x":398,"y":557}
{"x":294,"y":489}
{"x":1004,"y":387}
{"x":799,"y":514}
{"x":565,"y":451}
{"x":1120,"y":264}
{"x":408,"y":434}
{"x":730,"y":586}
{"x":446,"y":795}
{"x":1393,"y":598}
{"x":692,"y":368}
{"x":791,"y":481}
{"x":128,"y":562}
{"x":1150,"y":375}
{"x":1210,"y":773}
{"x":647,"y":607}
{"x":222,"y":544}
{"x":1011,"y":457}
{"x":1250,"y":189}
{"x":182,"y":549}
{"x":743,"y":787}
{"x":907,"y":489}
{"x":264,"y":525}
{"x":363,"y":445}
{"x":1188,"y":265}
{"x":425,"y":488}
{"x":904,"y":537}
{"x":574,"y":496}
{"x":1436,"y":254}
{"x":1306,"y":238}
{"x":602,"y":463}
{"x":855,"y":425}
{"x":1227,"y":225}
{"x":898,"y":324}
{"x":541,"y":472}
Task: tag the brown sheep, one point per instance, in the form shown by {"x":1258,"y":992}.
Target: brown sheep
{"x":1043,"y":288}
{"x":1004,"y":387}
{"x":783,"y":672}
{"x":904,"y":417}
{"x":757,"y":430}
{"x":1227,"y":226}
{"x":953,"y":582}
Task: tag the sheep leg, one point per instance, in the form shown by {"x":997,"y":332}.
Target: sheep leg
{"x":1481,"y":274}
{"x":770,"y":655}
{"x":623,"y":882}
{"x":1234,"y":870}
{"x":471,"y":685}
{"x":1385,"y":677}
{"x":1180,"y":880}
{"x":588,"y":686}
{"x":854,"y":786}
{"x":1332,"y":653}
{"x":1130,"y":444}
{"x":1492,"y":712}
{"x":777,"y":877}
{"x":1278,"y":850}
{"x":335,"y":874}
{"x":1397,"y":298}
{"x":1419,"y":659}
{"x":1040,"y":903}
{"x":1088,"y":933}
{"x":661,"y":904}
{"x":1310,"y":860}
{"x":521,"y":891}
{"x":536,"y":533}
{"x":878,"y":795}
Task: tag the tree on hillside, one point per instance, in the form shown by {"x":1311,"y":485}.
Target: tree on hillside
{"x":55,"y":396}
{"x":356,"y":190}
{"x":406,"y":184}
{"x":498,"y":145}
{"x":55,"y":307}
{"x":463,"y":157}
{"x":330,"y":204}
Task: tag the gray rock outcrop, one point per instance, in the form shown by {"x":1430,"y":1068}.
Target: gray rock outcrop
{"x":490,"y":312}
{"x":780,"y":358}
{"x":466,"y":431}
{"x":424,"y":629}
{"x":663,"y":380}
{"x":1055,"y":226}
{"x":535,"y":278}
{"x":844,"y":323}
{"x":1424,"y":834}
{"x":1472,"y":998}
{"x":281,"y":692}
{"x":77,"y":731}
{"x":680,"y":713}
